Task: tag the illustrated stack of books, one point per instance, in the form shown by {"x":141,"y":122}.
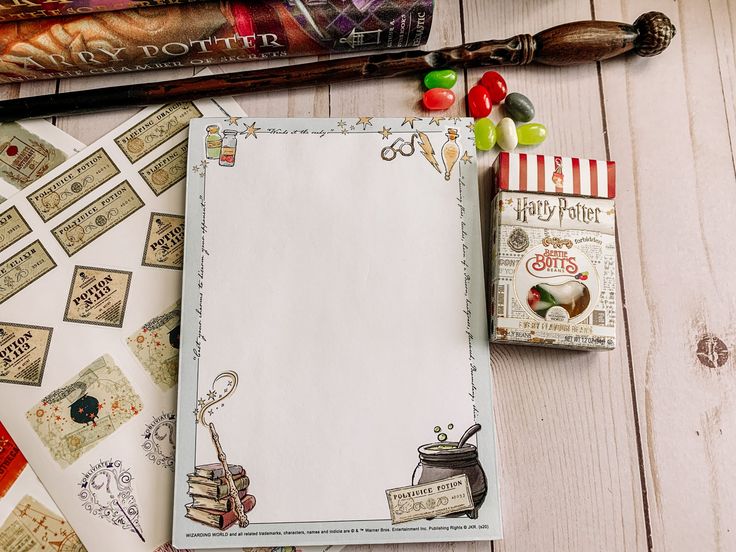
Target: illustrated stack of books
{"x":212,"y":503}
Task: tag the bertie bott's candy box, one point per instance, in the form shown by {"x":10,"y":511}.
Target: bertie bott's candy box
{"x":553,"y":252}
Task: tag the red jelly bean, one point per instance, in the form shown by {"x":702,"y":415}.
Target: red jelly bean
{"x":495,"y":85}
{"x":438,"y":99}
{"x":479,"y":102}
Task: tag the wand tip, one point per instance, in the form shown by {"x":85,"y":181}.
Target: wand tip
{"x":656,"y":32}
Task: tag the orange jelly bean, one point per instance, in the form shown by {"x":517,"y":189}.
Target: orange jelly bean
{"x":438,"y":99}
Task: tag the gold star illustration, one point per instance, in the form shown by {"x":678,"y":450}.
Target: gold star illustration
{"x":466,"y":157}
{"x":436,"y":120}
{"x":233,"y":121}
{"x":410,"y":121}
{"x":251,"y":130}
{"x":386,"y":132}
{"x":365,"y":121}
{"x":470,"y":127}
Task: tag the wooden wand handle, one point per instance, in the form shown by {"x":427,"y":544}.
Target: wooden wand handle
{"x":568,"y":44}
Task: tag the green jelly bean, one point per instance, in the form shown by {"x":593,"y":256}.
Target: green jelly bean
{"x":443,"y":78}
{"x":532,"y":134}
{"x":485,"y":134}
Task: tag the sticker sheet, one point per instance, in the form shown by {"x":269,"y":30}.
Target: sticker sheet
{"x":335,"y":382}
{"x":89,"y":257}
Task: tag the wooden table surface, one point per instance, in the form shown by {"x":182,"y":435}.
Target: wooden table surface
{"x":636,"y":448}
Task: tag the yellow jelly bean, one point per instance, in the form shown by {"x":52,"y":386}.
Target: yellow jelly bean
{"x":531,"y":134}
{"x":485,"y":134}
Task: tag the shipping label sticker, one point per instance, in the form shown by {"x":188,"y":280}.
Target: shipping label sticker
{"x":98,"y":296}
{"x":12,"y":461}
{"x":156,"y":346}
{"x":31,"y":527}
{"x":98,"y":217}
{"x":165,"y":241}
{"x":23,"y":353}
{"x":74,"y":418}
{"x":430,"y":500}
{"x":25,"y":157}
{"x":166,"y":171}
{"x":12,"y":227}
{"x":24,"y":268}
{"x":68,"y":188}
{"x":154,"y":130}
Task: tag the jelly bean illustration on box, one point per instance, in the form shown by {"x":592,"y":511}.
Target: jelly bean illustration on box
{"x":219,"y":490}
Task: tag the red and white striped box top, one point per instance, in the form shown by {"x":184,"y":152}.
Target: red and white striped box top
{"x":551,"y":174}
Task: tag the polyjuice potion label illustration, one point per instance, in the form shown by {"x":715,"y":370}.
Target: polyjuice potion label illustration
{"x":107,"y":493}
{"x":25,"y":157}
{"x":98,"y":296}
{"x":166,"y":170}
{"x":22,"y":269}
{"x":23,"y":353}
{"x":164,"y":241}
{"x":156,"y":346}
{"x":31,"y":527}
{"x":87,"y":409}
{"x":13,"y":227}
{"x":159,"y":440}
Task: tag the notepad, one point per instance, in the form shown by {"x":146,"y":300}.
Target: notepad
{"x":334,"y":336}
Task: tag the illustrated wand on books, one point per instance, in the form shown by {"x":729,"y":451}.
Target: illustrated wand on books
{"x":206,"y":407}
{"x":568,"y":44}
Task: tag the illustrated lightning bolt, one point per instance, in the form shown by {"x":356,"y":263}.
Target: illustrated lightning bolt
{"x":428,"y":151}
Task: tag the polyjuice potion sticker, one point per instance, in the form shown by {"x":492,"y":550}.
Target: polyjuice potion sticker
{"x":31,"y":527}
{"x":98,"y":296}
{"x":156,"y":346}
{"x":88,"y":408}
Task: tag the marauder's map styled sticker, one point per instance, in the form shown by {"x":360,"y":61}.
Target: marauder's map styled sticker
{"x":68,"y":188}
{"x":153,"y":131}
{"x":164,"y":241}
{"x":168,"y":169}
{"x":156,"y":346}
{"x":98,"y":296}
{"x":25,"y":157}
{"x":159,"y":440}
{"x":107,"y":493}
{"x":12,"y":227}
{"x":24,"y":268}
{"x":31,"y":527}
{"x":98,"y":217}
{"x":23,"y":352}
{"x":12,"y":461}
{"x":84,"y":411}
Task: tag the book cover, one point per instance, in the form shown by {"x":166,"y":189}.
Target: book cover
{"x":334,"y":339}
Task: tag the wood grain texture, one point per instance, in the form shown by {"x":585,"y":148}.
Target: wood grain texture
{"x":669,"y":127}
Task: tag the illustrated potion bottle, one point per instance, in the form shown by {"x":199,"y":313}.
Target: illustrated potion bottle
{"x":213,"y":142}
{"x":450,"y":152}
{"x":229,"y":146}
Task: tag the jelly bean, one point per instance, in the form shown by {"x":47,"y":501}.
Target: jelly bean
{"x":519,"y":108}
{"x":479,"y":102}
{"x":438,"y":99}
{"x":531,"y":134}
{"x":495,"y":85}
{"x":485,"y":134}
{"x":507,"y":138}
{"x":444,"y":78}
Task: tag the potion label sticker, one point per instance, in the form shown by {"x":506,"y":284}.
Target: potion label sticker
{"x":24,"y":268}
{"x":13,"y":227}
{"x":93,"y":220}
{"x":430,"y":500}
{"x":68,"y":188}
{"x":12,"y":461}
{"x":159,"y":440}
{"x":91,"y":406}
{"x":31,"y":527}
{"x":166,"y":171}
{"x":156,"y":346}
{"x":25,"y":157}
{"x":156,"y":129}
{"x":23,"y":353}
{"x":98,"y":296}
{"x":164,"y":241}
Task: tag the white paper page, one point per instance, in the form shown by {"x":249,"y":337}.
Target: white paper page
{"x":334,"y":322}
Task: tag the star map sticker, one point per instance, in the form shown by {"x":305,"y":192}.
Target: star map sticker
{"x":410,"y":121}
{"x":466,"y":158}
{"x":386,"y":132}
{"x":233,"y":121}
{"x":365,"y":121}
{"x":436,"y":120}
{"x":251,"y":130}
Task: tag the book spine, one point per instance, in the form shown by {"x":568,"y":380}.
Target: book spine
{"x":206,"y":33}
{"x":21,"y":10}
